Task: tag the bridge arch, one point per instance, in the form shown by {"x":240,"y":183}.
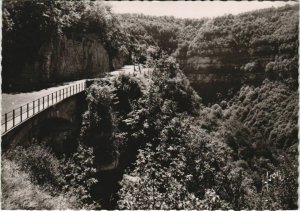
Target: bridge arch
{"x":48,"y":123}
{"x":58,"y":133}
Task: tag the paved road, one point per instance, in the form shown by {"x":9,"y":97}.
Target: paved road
{"x":22,"y":106}
{"x":128,"y":69}
{"x":13,"y":101}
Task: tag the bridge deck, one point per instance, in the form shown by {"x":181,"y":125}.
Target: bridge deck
{"x":17,"y":108}
{"x":14,"y":113}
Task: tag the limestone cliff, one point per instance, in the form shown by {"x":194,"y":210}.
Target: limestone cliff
{"x":63,"y":59}
{"x":211,"y":76}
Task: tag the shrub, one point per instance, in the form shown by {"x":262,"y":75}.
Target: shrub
{"x":48,"y":177}
{"x":171,"y":84}
{"x":158,"y":180}
{"x":79,"y":178}
{"x":127,"y":90}
{"x":19,"y":192}
{"x":99,"y":122}
{"x":42,"y":166}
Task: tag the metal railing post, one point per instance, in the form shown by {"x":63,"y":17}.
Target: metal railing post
{"x":13,"y":117}
{"x":21,"y":112}
{"x":5,"y":118}
{"x":43,"y":103}
{"x":48,"y":100}
{"x":38,"y":105}
{"x":63,"y":93}
{"x":27,"y":110}
{"x":52,"y":97}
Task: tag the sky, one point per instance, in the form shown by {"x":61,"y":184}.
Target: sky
{"x":192,"y":9}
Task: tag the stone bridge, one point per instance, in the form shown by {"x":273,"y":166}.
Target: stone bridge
{"x":55,"y":117}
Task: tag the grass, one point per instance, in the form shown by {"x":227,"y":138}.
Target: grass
{"x":18,"y":191}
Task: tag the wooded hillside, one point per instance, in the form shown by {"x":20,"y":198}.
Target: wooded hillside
{"x":171,"y":149}
{"x":246,"y":47}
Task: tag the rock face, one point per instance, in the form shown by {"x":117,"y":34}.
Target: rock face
{"x":63,"y":59}
{"x":68,"y":59}
{"x":212,"y":76}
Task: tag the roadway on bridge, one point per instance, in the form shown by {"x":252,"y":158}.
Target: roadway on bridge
{"x":19,"y":107}
{"x":13,"y":101}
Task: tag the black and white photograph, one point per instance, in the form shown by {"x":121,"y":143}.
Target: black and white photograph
{"x":149,"y":105}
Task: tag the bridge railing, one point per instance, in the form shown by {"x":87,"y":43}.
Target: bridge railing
{"x":15,"y":117}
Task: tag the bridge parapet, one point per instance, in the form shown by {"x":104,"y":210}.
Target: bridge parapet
{"x":14,"y":118}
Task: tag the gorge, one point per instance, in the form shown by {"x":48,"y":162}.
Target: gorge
{"x":201,"y":130}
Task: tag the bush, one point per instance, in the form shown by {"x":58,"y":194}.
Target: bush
{"x":79,"y":178}
{"x":99,"y":122}
{"x":158,"y":179}
{"x":19,"y":192}
{"x":42,"y":166}
{"x":69,"y":181}
{"x":171,"y":84}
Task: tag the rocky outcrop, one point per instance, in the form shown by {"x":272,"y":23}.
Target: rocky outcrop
{"x":68,"y":59}
{"x":213,"y":76}
{"x":63,"y":59}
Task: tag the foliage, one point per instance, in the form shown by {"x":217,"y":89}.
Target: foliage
{"x":60,"y":182}
{"x":99,"y":122}
{"x":79,"y":178}
{"x":270,"y":111}
{"x":220,"y":158}
{"x":171,"y":84}
{"x":42,"y":166}
{"x":127,"y":91}
{"x":19,"y":192}
{"x":257,"y":42}
{"x":159,"y":178}
{"x":183,"y":155}
{"x":261,"y":129}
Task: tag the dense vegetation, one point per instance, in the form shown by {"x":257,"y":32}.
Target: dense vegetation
{"x":191,"y":156}
{"x":219,"y":157}
{"x":262,"y":42}
{"x":33,"y":177}
{"x":173,"y":151}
